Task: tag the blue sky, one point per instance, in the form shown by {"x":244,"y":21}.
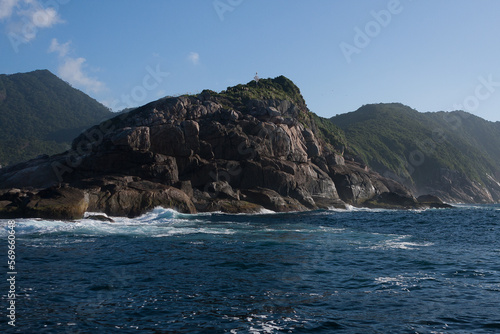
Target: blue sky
{"x":430,"y":55}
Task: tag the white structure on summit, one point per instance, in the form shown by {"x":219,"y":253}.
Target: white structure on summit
{"x":256,"y":78}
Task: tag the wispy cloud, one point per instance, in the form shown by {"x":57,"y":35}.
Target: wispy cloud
{"x":7,"y":8}
{"x":24,"y":18}
{"x":194,"y":58}
{"x":73,"y":69}
{"x":45,"y":17}
{"x":61,"y":49}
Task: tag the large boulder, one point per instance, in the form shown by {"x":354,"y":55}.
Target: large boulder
{"x":121,"y":196}
{"x":52,"y":203}
{"x":271,"y":200}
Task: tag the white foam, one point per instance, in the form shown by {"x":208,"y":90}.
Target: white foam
{"x":401,"y":280}
{"x":351,"y":208}
{"x":89,"y":214}
{"x":384,"y":280}
{"x":399,"y":243}
{"x":264,"y":211}
{"x":469,"y":206}
{"x":331,"y":229}
{"x":159,"y":222}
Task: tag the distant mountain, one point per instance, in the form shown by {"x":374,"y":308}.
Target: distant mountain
{"x":454,"y":155}
{"x":42,"y":114}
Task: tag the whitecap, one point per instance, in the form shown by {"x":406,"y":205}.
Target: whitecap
{"x":393,"y":280}
{"x":398,"y":242}
{"x":88,"y":214}
{"x":351,"y":208}
{"x":30,"y":226}
{"x":405,"y":244}
{"x":176,"y":231}
{"x":331,"y":229}
{"x":264,"y":211}
{"x":403,"y":281}
{"x":158,"y":222}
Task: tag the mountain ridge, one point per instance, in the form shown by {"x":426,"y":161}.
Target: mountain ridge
{"x":432,"y":152}
{"x":41,"y":114}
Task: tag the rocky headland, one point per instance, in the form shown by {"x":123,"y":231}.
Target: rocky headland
{"x":251,"y":147}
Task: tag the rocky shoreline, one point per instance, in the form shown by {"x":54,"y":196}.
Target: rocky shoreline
{"x":233,"y":152}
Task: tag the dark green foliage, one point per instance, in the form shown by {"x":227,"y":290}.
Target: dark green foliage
{"x":416,"y":146}
{"x":41,"y":114}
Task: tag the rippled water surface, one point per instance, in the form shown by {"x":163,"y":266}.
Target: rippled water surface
{"x":358,"y":271}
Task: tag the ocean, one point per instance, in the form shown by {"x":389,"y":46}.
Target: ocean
{"x":338,"y":271}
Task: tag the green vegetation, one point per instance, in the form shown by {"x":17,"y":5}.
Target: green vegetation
{"x":331,"y":134}
{"x":41,"y":114}
{"x":282,"y":88}
{"x":416,"y":146}
{"x":279,"y":88}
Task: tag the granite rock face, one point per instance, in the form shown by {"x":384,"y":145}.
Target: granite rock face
{"x":455,"y":187}
{"x":202,"y":153}
{"x":50,"y":203}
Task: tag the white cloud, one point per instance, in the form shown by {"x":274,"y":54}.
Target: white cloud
{"x":45,"y":18}
{"x":72,"y":70}
{"x":7,"y":8}
{"x":25,"y":17}
{"x":61,"y":49}
{"x":194,"y":58}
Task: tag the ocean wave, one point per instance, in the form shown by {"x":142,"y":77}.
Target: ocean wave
{"x":351,"y":208}
{"x":262,"y":211}
{"x":494,"y":207}
{"x":393,"y":241}
{"x":400,"y":242}
{"x":159,"y":222}
{"x":402,"y":282}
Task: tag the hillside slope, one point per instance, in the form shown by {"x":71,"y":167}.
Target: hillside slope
{"x":455,"y":155}
{"x":42,"y":114}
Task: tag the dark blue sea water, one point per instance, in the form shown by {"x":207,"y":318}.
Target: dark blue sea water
{"x":356,"y":271}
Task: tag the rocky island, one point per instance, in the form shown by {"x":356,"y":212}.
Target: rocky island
{"x":251,"y":147}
